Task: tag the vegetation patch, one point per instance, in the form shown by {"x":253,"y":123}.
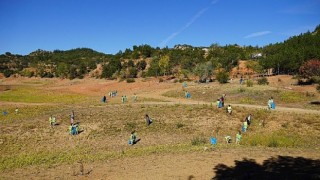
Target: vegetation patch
{"x":34,"y":95}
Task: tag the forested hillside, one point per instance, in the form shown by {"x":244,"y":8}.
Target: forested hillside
{"x":144,"y":60}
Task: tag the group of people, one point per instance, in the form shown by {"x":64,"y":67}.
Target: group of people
{"x":52,"y":120}
{"x":113,"y":93}
{"x":133,"y":135}
{"x":73,"y":128}
{"x":246,"y":123}
{"x":124,"y":99}
{"x":220,"y":101}
{"x":220,"y":104}
{"x":238,"y":138}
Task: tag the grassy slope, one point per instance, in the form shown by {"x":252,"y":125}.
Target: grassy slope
{"x":26,"y":138}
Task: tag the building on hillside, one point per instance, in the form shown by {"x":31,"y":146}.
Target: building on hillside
{"x":256,"y":55}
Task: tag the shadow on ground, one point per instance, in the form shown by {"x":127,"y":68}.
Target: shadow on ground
{"x":281,"y":167}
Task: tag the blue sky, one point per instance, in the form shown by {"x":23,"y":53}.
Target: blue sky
{"x":111,"y":25}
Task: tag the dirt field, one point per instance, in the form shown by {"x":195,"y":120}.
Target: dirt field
{"x":175,"y":146}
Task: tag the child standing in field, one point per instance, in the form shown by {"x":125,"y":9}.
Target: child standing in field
{"x":273,"y":105}
{"x":52,"y":120}
{"x":134,"y":97}
{"x":104,"y":99}
{"x":229,"y":109}
{"x":222,"y":101}
{"x":133,"y":138}
{"x":148,"y":119}
{"x":73,"y":129}
{"x":244,"y":126}
{"x":228,"y":139}
{"x":218,"y":103}
{"x":122,"y":99}
{"x":248,"y":119}
{"x":270,"y":103}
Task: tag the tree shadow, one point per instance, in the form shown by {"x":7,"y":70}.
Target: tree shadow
{"x":281,"y":167}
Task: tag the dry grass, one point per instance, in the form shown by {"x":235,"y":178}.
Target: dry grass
{"x":26,"y":138}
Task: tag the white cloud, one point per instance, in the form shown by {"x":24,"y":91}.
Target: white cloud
{"x":256,"y":34}
{"x":164,"y":42}
{"x":187,"y":25}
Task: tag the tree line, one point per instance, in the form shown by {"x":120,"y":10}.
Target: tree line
{"x":181,"y":60}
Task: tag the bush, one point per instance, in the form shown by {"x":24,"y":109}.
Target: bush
{"x":160,"y":80}
{"x":318,"y":88}
{"x":222,"y":77}
{"x":27,"y":73}
{"x":241,"y":90}
{"x":249,"y":83}
{"x":179,"y":125}
{"x":130,"y":80}
{"x":196,"y":141}
{"x":263,"y":81}
{"x":273,"y":142}
{"x":7,"y":73}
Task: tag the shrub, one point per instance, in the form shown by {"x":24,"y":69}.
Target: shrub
{"x":160,"y":80}
{"x":143,"y":74}
{"x":179,"y":125}
{"x":7,"y":73}
{"x":249,"y":83}
{"x":263,"y":81}
{"x":27,"y":73}
{"x":222,"y":77}
{"x":241,"y":90}
{"x":310,"y":68}
{"x":273,"y":142}
{"x":247,"y":100}
{"x":196,"y":141}
{"x":291,"y":97}
{"x":318,"y":88}
{"x":130,"y":80}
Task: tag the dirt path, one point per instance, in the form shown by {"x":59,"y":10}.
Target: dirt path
{"x":187,"y":165}
{"x":168,"y":100}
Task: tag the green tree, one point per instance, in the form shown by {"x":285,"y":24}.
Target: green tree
{"x":109,"y":69}
{"x":204,"y":70}
{"x":164,"y":64}
{"x":222,"y":76}
{"x":154,"y":69}
{"x":62,"y":70}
